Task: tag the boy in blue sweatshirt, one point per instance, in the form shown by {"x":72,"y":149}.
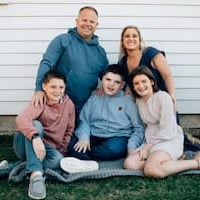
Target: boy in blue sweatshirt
{"x":109,"y":124}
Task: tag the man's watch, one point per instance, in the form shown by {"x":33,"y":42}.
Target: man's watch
{"x":36,"y":135}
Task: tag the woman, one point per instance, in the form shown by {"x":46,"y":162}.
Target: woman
{"x":133,"y":54}
{"x":158,"y":155}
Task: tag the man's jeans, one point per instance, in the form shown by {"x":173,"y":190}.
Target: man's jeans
{"x":24,"y":150}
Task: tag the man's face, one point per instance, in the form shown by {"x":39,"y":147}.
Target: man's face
{"x":112,"y":83}
{"x":86,"y":23}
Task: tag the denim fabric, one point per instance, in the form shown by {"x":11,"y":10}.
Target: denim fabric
{"x":101,"y":148}
{"x":189,"y":146}
{"x":24,"y":150}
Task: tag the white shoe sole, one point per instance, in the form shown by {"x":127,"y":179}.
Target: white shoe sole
{"x":4,"y":164}
{"x":75,"y":165}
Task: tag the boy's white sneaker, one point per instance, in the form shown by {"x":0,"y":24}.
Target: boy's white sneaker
{"x":4,"y":164}
{"x":75,"y":165}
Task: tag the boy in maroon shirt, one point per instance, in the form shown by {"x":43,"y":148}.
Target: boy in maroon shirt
{"x":44,"y":132}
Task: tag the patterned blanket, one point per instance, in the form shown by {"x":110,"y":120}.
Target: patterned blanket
{"x":106,"y":169}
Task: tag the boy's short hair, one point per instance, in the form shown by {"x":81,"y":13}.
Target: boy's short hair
{"x":115,"y":69}
{"x":53,"y":73}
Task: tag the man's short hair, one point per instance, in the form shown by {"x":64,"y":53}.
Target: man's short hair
{"x":89,"y":8}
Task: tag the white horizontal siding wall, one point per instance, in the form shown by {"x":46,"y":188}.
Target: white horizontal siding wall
{"x":27,"y":26}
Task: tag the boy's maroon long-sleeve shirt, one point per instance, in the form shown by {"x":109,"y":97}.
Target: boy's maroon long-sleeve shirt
{"x":58,"y":122}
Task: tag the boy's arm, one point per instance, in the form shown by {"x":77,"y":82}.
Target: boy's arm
{"x":137,"y":136}
{"x":50,"y":58}
{"x":68,"y":133}
{"x":24,"y":121}
{"x":83,"y":130}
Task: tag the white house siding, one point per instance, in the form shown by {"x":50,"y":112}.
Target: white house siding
{"x":27,"y":26}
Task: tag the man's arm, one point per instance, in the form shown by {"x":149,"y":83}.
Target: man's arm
{"x":50,"y":58}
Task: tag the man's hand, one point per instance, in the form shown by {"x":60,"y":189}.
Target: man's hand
{"x":82,"y":145}
{"x":38,"y":98}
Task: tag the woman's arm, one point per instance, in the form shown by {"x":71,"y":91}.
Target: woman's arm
{"x":160,"y":63}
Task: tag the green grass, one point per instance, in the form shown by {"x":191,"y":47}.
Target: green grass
{"x":175,"y":187}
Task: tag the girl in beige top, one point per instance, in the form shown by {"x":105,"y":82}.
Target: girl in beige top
{"x":163,"y":146}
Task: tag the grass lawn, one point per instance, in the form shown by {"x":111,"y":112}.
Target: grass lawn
{"x":184,"y":187}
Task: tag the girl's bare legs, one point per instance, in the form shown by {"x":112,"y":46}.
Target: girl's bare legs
{"x":159,"y":165}
{"x":133,"y":162}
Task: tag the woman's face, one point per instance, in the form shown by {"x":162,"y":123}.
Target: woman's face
{"x":143,"y":86}
{"x":131,"y":39}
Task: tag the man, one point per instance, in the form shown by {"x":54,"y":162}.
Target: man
{"x":78,"y":55}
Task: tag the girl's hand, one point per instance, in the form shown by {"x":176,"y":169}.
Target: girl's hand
{"x":143,"y":154}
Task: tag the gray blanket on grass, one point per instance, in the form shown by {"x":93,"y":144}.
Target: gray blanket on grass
{"x":106,"y":169}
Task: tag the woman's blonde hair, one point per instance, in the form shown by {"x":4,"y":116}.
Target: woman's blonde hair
{"x":122,"y":50}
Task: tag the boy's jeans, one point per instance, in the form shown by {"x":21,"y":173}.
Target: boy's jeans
{"x":24,"y":150}
{"x":101,"y":148}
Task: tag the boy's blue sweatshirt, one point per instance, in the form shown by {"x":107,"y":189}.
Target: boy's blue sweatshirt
{"x":110,"y":116}
{"x":81,"y":61}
